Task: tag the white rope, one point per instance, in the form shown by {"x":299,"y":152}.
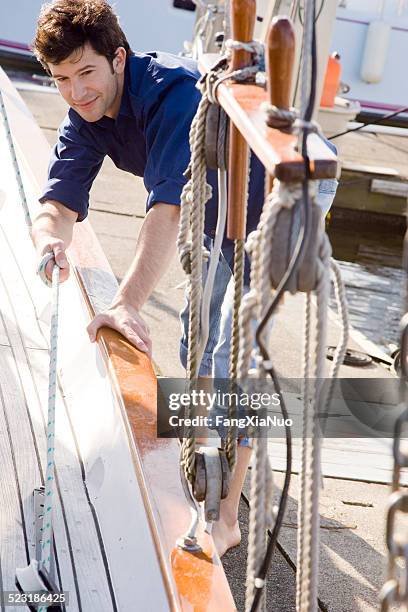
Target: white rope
{"x":16,"y":167}
{"x":252,"y":309}
{"x":214,"y":260}
{"x":257,"y":519}
{"x":195,"y":194}
{"x":52,"y":389}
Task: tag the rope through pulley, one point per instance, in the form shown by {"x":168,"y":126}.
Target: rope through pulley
{"x":209,"y":146}
{"x":289,"y":251}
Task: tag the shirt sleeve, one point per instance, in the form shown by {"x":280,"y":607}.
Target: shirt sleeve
{"x":74,"y":164}
{"x":167,"y":142}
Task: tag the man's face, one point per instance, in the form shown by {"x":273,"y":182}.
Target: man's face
{"x":89,"y":84}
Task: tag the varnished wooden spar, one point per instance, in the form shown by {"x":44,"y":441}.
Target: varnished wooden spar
{"x":191,"y":582}
{"x":242,"y":24}
{"x":280,"y":58}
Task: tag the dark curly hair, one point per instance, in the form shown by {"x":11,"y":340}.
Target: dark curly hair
{"x":67,"y":25}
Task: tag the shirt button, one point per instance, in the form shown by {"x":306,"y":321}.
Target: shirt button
{"x":212,"y":233}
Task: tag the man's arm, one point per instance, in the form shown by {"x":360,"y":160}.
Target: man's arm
{"x":154,"y":251}
{"x":52,"y":231}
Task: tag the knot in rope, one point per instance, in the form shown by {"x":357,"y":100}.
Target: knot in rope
{"x":254,"y":47}
{"x":279,"y":117}
{"x":185,"y":255}
{"x":208,"y":192}
{"x":210,"y":82}
{"x":289,"y":118}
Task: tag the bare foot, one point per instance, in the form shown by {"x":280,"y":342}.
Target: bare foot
{"x":225,"y":536}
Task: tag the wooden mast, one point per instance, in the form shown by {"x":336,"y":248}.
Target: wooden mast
{"x":242,"y":23}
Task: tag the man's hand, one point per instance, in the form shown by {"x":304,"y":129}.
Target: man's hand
{"x":52,"y":232}
{"x":57,"y":247}
{"x":126,"y":320}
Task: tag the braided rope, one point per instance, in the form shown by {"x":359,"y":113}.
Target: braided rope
{"x":16,"y":167}
{"x":258,"y":247}
{"x":305,"y":434}
{"x":52,"y":388}
{"x":253,"y":306}
{"x":257,"y":520}
{"x":256,"y":48}
{"x":239,"y":262}
{"x":309,"y":526}
{"x":338,"y":358}
{"x":194,"y":196}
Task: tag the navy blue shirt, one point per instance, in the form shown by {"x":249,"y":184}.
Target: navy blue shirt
{"x":149,"y":138}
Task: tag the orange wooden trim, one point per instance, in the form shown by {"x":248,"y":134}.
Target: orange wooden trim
{"x":198,"y":581}
{"x":275,"y":149}
{"x":190,"y":580}
{"x":243,"y":22}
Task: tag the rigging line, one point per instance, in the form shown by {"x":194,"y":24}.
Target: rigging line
{"x":403,"y":109}
{"x":14,"y":160}
{"x":296,"y":260}
{"x":282,"y":551}
{"x":319,"y":12}
{"x":18,"y":329}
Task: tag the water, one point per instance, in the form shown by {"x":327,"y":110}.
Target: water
{"x":370,"y":261}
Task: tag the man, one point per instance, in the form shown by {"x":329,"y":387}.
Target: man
{"x":137,"y":109}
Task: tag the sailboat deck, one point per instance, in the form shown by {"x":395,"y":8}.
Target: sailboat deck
{"x":82,"y":566}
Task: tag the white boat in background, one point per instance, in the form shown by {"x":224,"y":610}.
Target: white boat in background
{"x":157,"y":24}
{"x":371,"y":37}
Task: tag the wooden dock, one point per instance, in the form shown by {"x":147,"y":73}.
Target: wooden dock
{"x":374,"y":177}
